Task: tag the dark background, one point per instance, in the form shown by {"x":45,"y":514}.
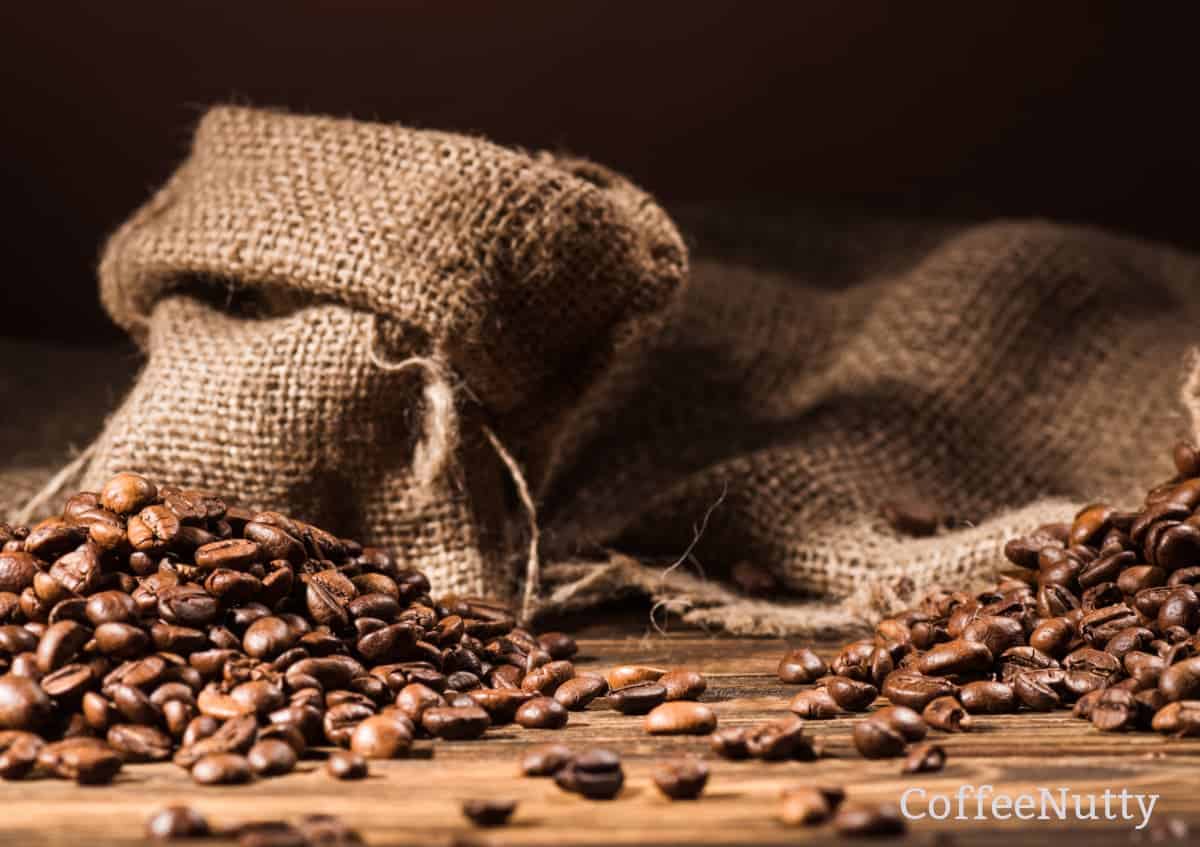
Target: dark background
{"x":1079,"y":111}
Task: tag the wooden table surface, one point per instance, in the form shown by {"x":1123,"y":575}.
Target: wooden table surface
{"x":416,"y":800}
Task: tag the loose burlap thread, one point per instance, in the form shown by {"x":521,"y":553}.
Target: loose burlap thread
{"x":1004,"y":373}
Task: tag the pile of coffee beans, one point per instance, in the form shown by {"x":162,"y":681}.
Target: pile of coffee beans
{"x":146,"y":623}
{"x":1100,"y":615}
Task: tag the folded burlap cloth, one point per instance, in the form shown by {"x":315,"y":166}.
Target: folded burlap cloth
{"x":490,"y":361}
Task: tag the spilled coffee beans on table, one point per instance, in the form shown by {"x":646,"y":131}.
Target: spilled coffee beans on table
{"x":147,"y":623}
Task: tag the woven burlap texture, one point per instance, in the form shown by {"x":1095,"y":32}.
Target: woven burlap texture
{"x":527,"y":279}
{"x":1005,"y":373}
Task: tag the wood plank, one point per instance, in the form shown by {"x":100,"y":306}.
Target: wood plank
{"x":416,"y":801}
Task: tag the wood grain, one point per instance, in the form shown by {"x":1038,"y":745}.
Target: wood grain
{"x":416,"y":801}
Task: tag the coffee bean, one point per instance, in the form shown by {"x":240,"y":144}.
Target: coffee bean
{"x":221,"y":769}
{"x":177,"y":822}
{"x":69,"y":682}
{"x":139,"y":743}
{"x":801,"y":667}
{"x":272,"y":757}
{"x":915,"y":690}
{"x":546,"y":679}
{"x":489,"y":813}
{"x":850,"y":694}
{"x":815,"y":704}
{"x":683,"y":779}
{"x":382,"y":737}
{"x":18,"y":753}
{"x":808,"y":806}
{"x":625,"y":675}
{"x":558,"y":644}
{"x":681,"y":717}
{"x":875,"y":739}
{"x":88,"y":761}
{"x":346,"y":764}
{"x":23,"y":704}
{"x":542,"y":713}
{"x":126,"y":493}
{"x":501,"y":704}
{"x":415,"y":698}
{"x":1180,"y":718}
{"x":731,"y":743}
{"x":1116,"y":710}
{"x":575,"y":694}
{"x":545,"y":759}
{"x":779,"y":740}
{"x":955,"y":658}
{"x":869,"y":820}
{"x":455,"y":723}
{"x":595,"y":774}
{"x":988,"y":698}
{"x":925,"y":758}
{"x":946,"y":714}
{"x":1180,"y":681}
{"x":60,"y":644}
{"x":637,"y":699}
{"x":904,"y":720}
{"x":683,"y":684}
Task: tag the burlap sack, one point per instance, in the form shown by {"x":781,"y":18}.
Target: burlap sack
{"x":1005,"y":373}
{"x":359,"y":323}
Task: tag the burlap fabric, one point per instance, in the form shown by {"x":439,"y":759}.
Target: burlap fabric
{"x":810,"y":371}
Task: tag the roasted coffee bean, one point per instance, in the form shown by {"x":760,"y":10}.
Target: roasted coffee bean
{"x":558,"y":644}
{"x":1180,"y":681}
{"x":17,"y":570}
{"x":732,"y":742}
{"x":121,"y":640}
{"x":780,"y":739}
{"x":1053,"y":636}
{"x":925,"y":758}
{"x":127,"y":493}
{"x":177,"y":822}
{"x":682,"y":779}
{"x":501,"y":704}
{"x":488,"y":813}
{"x":904,"y":720}
{"x":453,"y":723}
{"x":542,"y":713}
{"x":546,"y":679}
{"x":875,"y":739}
{"x":18,"y":753}
{"x":815,"y":704}
{"x":235,"y":735}
{"x":995,"y":632}
{"x":23,"y":704}
{"x":415,"y":698}
{"x":221,"y":769}
{"x":575,"y":694}
{"x":1039,"y":690}
{"x":954,"y":658}
{"x":1180,"y":718}
{"x":1180,"y":607}
{"x":545,"y":759}
{"x":946,"y":714}
{"x":809,"y":806}
{"x":139,"y":743}
{"x":595,"y":774}
{"x":1116,"y":710}
{"x":915,"y":690}
{"x":869,"y":820}
{"x":988,"y":698}
{"x":624,"y":675}
{"x":68,"y":682}
{"x":87,"y":761}
{"x":850,"y":694}
{"x":272,"y":757}
{"x":683,"y":684}
{"x":681,"y":717}
{"x":60,"y":644}
{"x":383,"y":736}
{"x":637,"y":699}
{"x":346,"y":764}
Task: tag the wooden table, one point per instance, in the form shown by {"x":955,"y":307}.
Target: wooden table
{"x":416,"y":801}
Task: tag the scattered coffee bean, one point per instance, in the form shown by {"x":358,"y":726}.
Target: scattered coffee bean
{"x":575,"y":694}
{"x":683,"y":779}
{"x":809,"y":806}
{"x":801,"y":667}
{"x":815,"y":704}
{"x":345,"y":764}
{"x":946,"y":714}
{"x":850,"y":694}
{"x":683,"y":684}
{"x":681,"y":717}
{"x":221,"y":769}
{"x":177,"y":822}
{"x":869,"y":820}
{"x":876,"y":739}
{"x":624,"y":675}
{"x":637,"y":699}
{"x":925,"y":758}
{"x":595,"y":774}
{"x":545,"y":760}
{"x":732,"y":742}
{"x":542,"y":713}
{"x":489,"y":812}
{"x":272,"y":757}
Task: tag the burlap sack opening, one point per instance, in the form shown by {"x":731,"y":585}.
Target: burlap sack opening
{"x":515,"y":285}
